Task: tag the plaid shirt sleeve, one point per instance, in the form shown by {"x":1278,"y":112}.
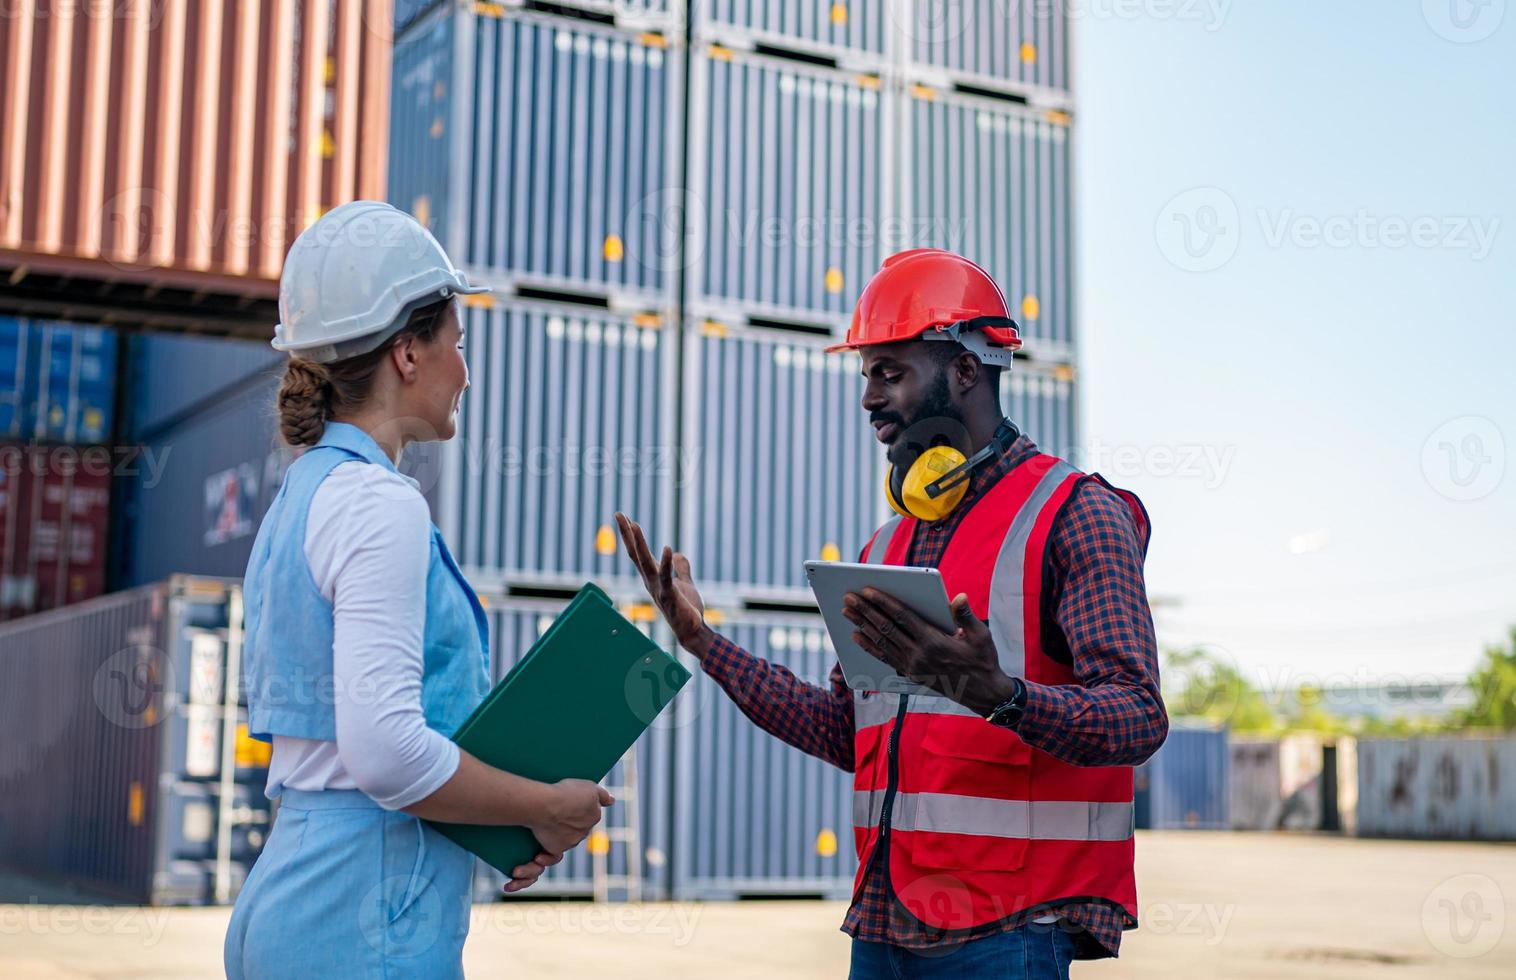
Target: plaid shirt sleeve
{"x":1115,"y":715}
{"x":816,"y":720}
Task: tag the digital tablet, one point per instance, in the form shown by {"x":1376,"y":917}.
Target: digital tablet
{"x":920,"y":589}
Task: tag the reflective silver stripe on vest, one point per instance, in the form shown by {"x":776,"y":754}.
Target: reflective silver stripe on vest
{"x":1007,"y":591}
{"x":1034,"y":820}
{"x":928,"y":704}
{"x":876,"y":709}
{"x":875,"y":554}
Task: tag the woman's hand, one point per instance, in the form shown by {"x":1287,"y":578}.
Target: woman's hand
{"x":526,"y":875}
{"x":671,"y":588}
{"x":572,"y":810}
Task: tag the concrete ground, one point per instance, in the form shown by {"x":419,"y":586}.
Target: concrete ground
{"x":1214,"y":905}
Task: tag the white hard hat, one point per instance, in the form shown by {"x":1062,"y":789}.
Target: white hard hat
{"x":355,"y":276}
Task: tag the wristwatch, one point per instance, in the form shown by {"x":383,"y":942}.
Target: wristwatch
{"x":1008,"y":714}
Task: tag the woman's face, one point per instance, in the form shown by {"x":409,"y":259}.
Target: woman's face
{"x":445,"y":376}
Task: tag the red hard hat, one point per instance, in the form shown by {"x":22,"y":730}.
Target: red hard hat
{"x":925,"y":289}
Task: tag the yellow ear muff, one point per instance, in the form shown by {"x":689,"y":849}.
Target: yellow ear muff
{"x":911,"y":499}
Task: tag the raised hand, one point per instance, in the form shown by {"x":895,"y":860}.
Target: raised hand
{"x":670,"y":586}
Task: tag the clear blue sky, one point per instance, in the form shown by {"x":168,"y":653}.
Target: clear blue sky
{"x":1298,"y":256}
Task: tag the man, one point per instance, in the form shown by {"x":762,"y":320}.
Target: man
{"x":993,"y":822}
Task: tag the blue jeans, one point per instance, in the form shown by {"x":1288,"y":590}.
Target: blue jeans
{"x":1033,"y":952}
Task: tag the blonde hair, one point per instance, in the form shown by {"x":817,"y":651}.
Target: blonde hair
{"x":312,"y":394}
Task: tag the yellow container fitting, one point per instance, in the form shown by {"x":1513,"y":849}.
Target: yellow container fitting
{"x":826,"y":843}
{"x":614,"y":251}
{"x":605,"y":540}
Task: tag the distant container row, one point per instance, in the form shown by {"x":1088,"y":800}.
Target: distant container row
{"x":57,"y":381}
{"x":125,"y":764}
{"x":571,"y":415}
{"x":547,"y":155}
{"x":994,"y":43}
{"x":54,"y":519}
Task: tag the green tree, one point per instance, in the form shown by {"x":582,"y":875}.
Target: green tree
{"x":1494,"y":685}
{"x":1201,"y":684}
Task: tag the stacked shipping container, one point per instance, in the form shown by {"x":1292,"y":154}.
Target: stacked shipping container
{"x":664,"y":282}
{"x":57,"y":411}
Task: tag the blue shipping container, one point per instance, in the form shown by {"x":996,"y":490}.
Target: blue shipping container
{"x":171,"y":377}
{"x":1185,"y":785}
{"x":57,"y":381}
{"x":537,"y":149}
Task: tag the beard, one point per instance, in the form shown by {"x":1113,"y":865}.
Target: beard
{"x":936,"y":422}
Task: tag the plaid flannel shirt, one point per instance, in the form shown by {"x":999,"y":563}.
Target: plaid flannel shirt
{"x":1101,"y":623}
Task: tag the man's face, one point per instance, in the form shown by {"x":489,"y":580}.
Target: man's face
{"x":908,"y":399}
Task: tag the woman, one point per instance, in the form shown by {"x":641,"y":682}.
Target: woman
{"x":365,"y":647}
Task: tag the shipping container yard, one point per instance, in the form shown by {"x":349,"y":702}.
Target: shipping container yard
{"x":677,"y":207}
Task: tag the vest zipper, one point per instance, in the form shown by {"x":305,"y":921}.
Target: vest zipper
{"x":881,"y":850}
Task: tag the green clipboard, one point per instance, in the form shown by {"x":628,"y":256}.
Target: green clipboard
{"x":570,"y":709}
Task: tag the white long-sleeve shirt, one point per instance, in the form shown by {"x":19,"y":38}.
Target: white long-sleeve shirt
{"x":367,"y":540}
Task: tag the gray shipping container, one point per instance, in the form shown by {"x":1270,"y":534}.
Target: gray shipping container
{"x":1441,"y":788}
{"x":1185,"y":786}
{"x":515,"y":625}
{"x":857,"y":31}
{"x":538,"y":149}
{"x":1015,"y":44}
{"x":753,"y":816}
{"x":787,"y":467}
{"x":1041,"y":402}
{"x":992,"y":180}
{"x":120,"y":738}
{"x":569,"y":418}
{"x":789,"y":164}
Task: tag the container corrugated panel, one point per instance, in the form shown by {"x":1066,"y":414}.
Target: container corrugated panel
{"x":92,"y":787}
{"x":1437,"y":788}
{"x":1042,"y":405}
{"x":200,"y":488}
{"x":788,"y":472}
{"x":659,"y":15}
{"x":171,"y":377}
{"x":997,"y":43}
{"x":1184,"y":786}
{"x":786,"y":185}
{"x":820,"y":26}
{"x":54,"y":517}
{"x":514,"y":626}
{"x":756,"y":817}
{"x":538,"y":149}
{"x":57,"y":381}
{"x":144,"y":138}
{"x":567,"y":421}
{"x":991,"y":180}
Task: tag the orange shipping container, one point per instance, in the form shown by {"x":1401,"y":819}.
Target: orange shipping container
{"x":182,"y":144}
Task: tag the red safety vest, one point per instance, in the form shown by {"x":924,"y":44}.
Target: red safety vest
{"x":981,"y":825}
